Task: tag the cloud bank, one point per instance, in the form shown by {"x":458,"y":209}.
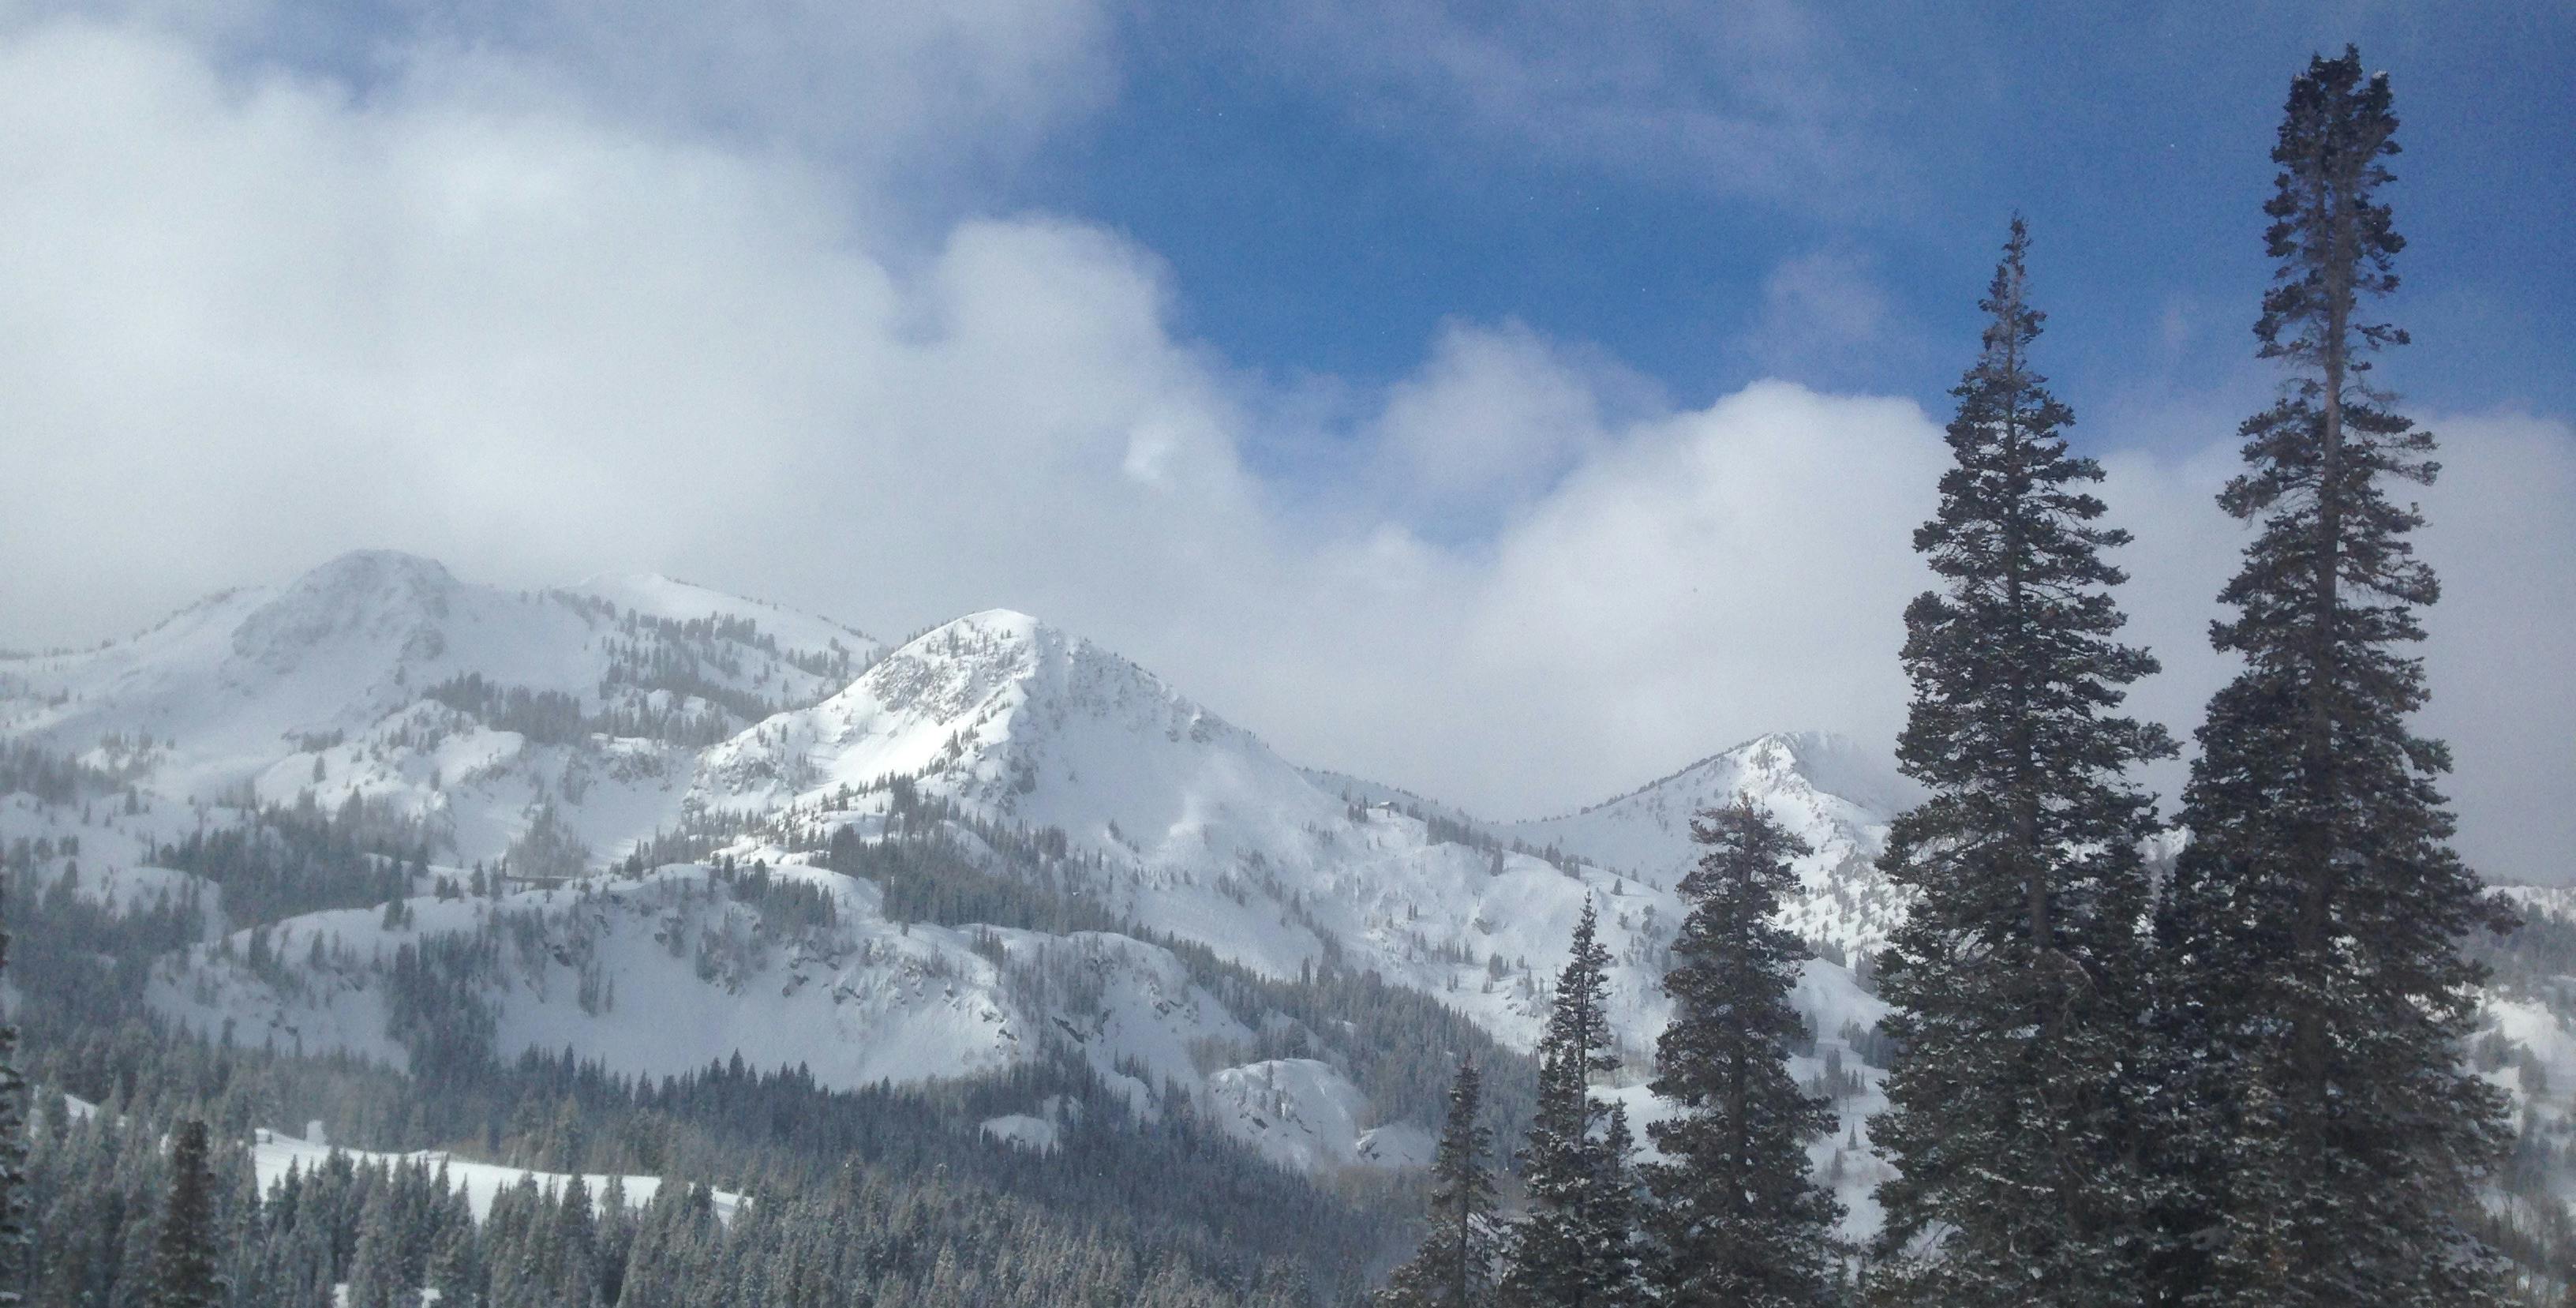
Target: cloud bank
{"x":249,"y":320}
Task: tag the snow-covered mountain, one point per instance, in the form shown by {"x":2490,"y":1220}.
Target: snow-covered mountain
{"x":687,"y":965}
{"x":627,"y":707}
{"x":562,"y":731}
{"x":1827,"y":790}
{"x":481,"y":712}
{"x":1198,"y":828}
{"x":467,"y":707}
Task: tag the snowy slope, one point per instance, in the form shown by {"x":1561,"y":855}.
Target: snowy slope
{"x":274,"y":1153}
{"x":655,"y":596}
{"x":668,"y":972}
{"x":354,"y":679}
{"x":1825,"y":789}
{"x":1201,"y":830}
{"x":1192,"y":824}
{"x":1170,"y":816}
{"x":1303,"y":1113}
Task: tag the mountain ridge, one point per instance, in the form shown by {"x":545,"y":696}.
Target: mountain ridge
{"x":629,"y":712}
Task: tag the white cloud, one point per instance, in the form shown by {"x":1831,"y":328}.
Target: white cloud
{"x":1495,"y":417}
{"x":915,"y":101}
{"x":247,"y":322}
{"x":1719,"y":571}
{"x":2502,"y":535}
{"x":1822,"y":316}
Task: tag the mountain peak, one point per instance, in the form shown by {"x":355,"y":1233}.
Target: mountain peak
{"x":957,"y":668}
{"x":374,"y":570}
{"x":1000,"y":622}
{"x":1027,"y":722}
{"x":369,"y":595}
{"x":1831,"y":791}
{"x":1824,"y":761}
{"x":1830,"y":762}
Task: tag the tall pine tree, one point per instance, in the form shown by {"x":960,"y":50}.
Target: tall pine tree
{"x":184,"y":1251}
{"x":1736,"y":1220}
{"x":2017,"y":979}
{"x":1454,"y":1268}
{"x":1574,"y":1249}
{"x":2324,"y":1137}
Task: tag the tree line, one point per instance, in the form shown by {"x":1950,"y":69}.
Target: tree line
{"x":137,"y":1212}
{"x":2245,"y":1085}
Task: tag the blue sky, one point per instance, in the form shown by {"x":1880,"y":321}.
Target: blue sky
{"x":1513,"y":401}
{"x":1318,"y":226}
{"x":1330,"y":181}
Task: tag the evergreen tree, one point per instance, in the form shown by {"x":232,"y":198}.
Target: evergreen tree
{"x":2324,"y":1137}
{"x":1454,"y":1268}
{"x":1615,"y":1216}
{"x":574,"y":1271}
{"x":615,"y":1239}
{"x":1736,"y":1221}
{"x":14,"y":1235}
{"x":455,"y":1265}
{"x":1573,"y":1247}
{"x":2016,"y":979}
{"x":376,"y":1278}
{"x":184,"y":1251}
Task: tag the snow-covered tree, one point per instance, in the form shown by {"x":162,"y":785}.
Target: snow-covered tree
{"x":184,"y":1253}
{"x":1454,"y":1268}
{"x":2018,"y":977}
{"x":2324,"y":1138}
{"x":1575,"y":1248}
{"x":1735,"y":1220}
{"x":376,"y":1273}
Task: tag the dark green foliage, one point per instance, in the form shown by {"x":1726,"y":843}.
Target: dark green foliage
{"x":785,"y":906}
{"x":283,"y":860}
{"x":1615,"y":1215}
{"x":71,"y":954}
{"x":378,"y":1277}
{"x":545,"y":717}
{"x":548,"y":851}
{"x":437,"y":1003}
{"x":1735,"y":1221}
{"x":2323,"y":1139}
{"x":1575,"y":1248}
{"x":853,"y":1238}
{"x":1454,"y":1268}
{"x":184,"y":1267}
{"x":100,"y":1189}
{"x":13,"y":1146}
{"x":2017,"y":978}
{"x":931,"y":879}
